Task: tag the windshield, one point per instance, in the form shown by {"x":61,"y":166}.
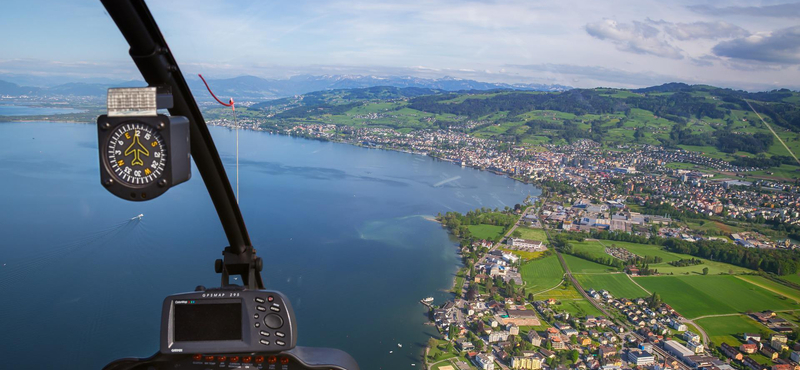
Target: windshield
{"x":436,"y":184}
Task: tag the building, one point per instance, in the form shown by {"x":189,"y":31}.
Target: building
{"x":778,"y":345}
{"x":640,"y":358}
{"x":534,"y":245}
{"x":464,"y":345}
{"x":677,"y":325}
{"x":782,"y":367}
{"x":695,"y":347}
{"x":699,"y":361}
{"x":557,"y":343}
{"x":606,"y":351}
{"x":731,"y":352}
{"x":769,"y":352}
{"x":485,"y":362}
{"x":691,"y":337}
{"x":795,"y":356}
{"x":755,"y":337}
{"x":678,"y":350}
{"x":498,"y":336}
{"x":752,"y":364}
{"x":748,"y":348}
{"x":534,"y":338}
{"x":526,"y":362}
{"x":512,"y":329}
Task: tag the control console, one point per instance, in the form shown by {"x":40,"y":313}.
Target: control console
{"x":227,"y":320}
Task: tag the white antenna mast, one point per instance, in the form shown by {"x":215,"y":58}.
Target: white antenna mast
{"x":237,"y":154}
{"x":235,"y":126}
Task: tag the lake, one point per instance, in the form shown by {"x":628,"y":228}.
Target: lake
{"x":27,"y":110}
{"x":344,"y":232}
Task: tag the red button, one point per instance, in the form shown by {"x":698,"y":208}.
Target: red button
{"x":247,"y":359}
{"x":222,"y":358}
{"x":259,"y":359}
{"x":209,"y":358}
{"x":272,"y":359}
{"x":284,"y":360}
{"x":270,"y":298}
{"x":197,"y":357}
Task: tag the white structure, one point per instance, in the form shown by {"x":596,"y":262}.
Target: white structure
{"x":695,"y":346}
{"x":677,"y":325}
{"x":485,"y":362}
{"x":678,"y":349}
{"x":528,"y":244}
{"x":640,"y":358}
{"x":691,"y":337}
{"x":498,"y":336}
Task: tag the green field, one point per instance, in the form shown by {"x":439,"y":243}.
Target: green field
{"x":581,"y":266}
{"x":714,"y":268}
{"x":488,"y":232}
{"x":770,"y":285}
{"x":541,"y":274}
{"x":563,"y":292}
{"x":793,"y":278}
{"x":695,"y":296}
{"x":645,"y":250}
{"x":592,"y":248}
{"x":532,"y":234}
{"x":579,"y":307}
{"x":619,"y":285}
{"x":597,"y":248}
{"x":728,"y":328}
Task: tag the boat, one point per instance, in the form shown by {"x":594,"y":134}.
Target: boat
{"x":428,"y":300}
{"x":139,"y":216}
{"x":391,"y":351}
{"x":399,"y":345}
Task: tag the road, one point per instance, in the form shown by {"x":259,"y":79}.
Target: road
{"x":659,"y":351}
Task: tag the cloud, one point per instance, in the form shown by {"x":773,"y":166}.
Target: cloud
{"x":609,"y":76}
{"x":777,"y":47}
{"x":704,"y":30}
{"x":637,"y":37}
{"x":789,"y":10}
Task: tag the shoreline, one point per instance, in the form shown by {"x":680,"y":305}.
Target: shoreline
{"x":306,"y":138}
{"x":390,"y":149}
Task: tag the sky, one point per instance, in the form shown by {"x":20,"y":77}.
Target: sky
{"x":751,"y":45}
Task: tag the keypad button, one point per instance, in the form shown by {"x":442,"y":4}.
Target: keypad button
{"x":273,"y":321}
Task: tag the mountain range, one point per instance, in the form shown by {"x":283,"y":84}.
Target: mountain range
{"x":257,"y":88}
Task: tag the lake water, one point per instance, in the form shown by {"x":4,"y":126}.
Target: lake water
{"x":26,"y":110}
{"x":342,"y":230}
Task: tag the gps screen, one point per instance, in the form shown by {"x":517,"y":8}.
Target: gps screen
{"x":208,"y":322}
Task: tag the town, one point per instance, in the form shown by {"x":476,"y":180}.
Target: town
{"x":491,"y":324}
{"x":605,"y":179}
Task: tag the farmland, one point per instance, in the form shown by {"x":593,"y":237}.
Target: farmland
{"x":488,"y":232}
{"x":596,"y":248}
{"x":581,"y":266}
{"x":770,"y":285}
{"x":541,"y":274}
{"x":694,"y":296}
{"x":619,"y":285}
{"x":727,"y":328}
{"x":532,"y":234}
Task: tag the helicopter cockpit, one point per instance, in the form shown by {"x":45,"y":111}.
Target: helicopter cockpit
{"x":143,"y":154}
